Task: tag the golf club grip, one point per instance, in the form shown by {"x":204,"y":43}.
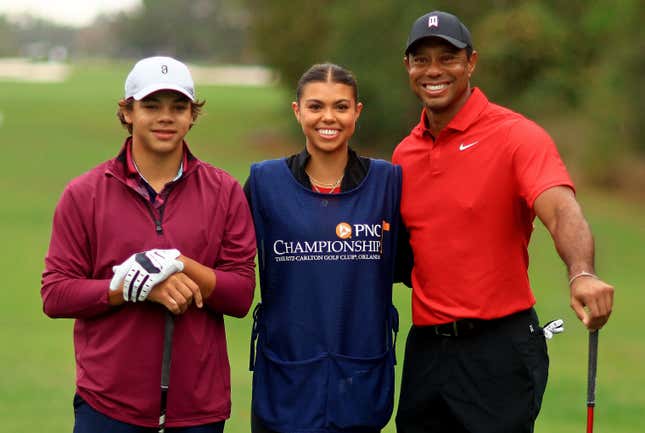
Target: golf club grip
{"x":167,"y":349}
{"x":593,"y":360}
{"x":165,"y":368}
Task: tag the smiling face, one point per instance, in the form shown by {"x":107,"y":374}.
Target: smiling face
{"x":440,"y":75}
{"x":160,"y":121}
{"x":327,"y":113}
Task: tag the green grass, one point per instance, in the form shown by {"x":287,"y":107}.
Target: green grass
{"x":52,"y":132}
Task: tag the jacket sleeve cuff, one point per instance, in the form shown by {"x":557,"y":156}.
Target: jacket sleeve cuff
{"x":77,"y":299}
{"x":233,"y":293}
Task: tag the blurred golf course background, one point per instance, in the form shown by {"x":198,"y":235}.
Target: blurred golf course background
{"x":52,"y":132}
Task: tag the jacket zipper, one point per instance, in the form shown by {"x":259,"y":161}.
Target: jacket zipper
{"x":157,"y":221}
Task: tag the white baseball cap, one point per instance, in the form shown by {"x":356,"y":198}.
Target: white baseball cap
{"x":158,"y":73}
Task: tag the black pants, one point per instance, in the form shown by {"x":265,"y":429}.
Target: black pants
{"x":490,"y":380}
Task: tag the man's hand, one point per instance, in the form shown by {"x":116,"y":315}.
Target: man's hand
{"x":592,"y":300}
{"x":176,"y":293}
{"x":142,"y":271}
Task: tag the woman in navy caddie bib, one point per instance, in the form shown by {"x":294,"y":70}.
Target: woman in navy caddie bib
{"x":327,"y":222}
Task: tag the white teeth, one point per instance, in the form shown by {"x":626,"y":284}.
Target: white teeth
{"x":435,"y":86}
{"x":327,"y":131}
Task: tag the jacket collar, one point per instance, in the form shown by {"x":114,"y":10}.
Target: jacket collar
{"x":355,"y":170}
{"x":122,"y":166}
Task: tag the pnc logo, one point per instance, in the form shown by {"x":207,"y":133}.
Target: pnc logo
{"x":344,"y":231}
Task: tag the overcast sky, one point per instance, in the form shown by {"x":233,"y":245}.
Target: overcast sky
{"x":71,"y":12}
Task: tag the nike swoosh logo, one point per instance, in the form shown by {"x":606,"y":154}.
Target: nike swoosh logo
{"x":463,"y":146}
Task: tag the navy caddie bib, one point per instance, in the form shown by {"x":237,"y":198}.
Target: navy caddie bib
{"x":325,"y":329}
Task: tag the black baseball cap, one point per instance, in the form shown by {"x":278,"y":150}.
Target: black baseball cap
{"x":440,"y":25}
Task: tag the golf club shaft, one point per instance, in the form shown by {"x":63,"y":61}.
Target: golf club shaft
{"x":165,"y":368}
{"x":591,"y":378}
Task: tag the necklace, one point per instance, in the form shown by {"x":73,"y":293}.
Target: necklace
{"x":316,"y":183}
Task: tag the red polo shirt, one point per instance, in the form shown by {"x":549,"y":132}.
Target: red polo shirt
{"x":468,"y":204}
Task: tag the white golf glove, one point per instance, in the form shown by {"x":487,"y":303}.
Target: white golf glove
{"x":553,"y":327}
{"x":142,"y":271}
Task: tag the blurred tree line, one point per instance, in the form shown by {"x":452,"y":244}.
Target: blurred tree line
{"x":213,"y":31}
{"x":575,"y":66}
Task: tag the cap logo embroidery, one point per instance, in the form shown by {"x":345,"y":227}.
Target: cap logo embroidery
{"x":433,"y":21}
{"x":158,"y":73}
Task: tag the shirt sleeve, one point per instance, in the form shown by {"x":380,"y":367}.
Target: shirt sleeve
{"x":536,"y":161}
{"x":67,"y":290}
{"x":235,"y":267}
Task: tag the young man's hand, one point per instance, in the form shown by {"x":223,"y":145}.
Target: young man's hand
{"x":176,"y":293}
{"x":143,"y":271}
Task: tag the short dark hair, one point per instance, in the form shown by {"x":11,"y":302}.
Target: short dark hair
{"x":127,"y":104}
{"x":327,"y":73}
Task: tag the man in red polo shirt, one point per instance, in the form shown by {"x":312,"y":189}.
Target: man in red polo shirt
{"x":475,"y":175}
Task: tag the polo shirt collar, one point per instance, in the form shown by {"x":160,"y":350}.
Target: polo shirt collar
{"x":465,"y":117}
{"x":471,"y":110}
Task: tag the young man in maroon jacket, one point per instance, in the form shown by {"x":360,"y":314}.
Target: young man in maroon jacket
{"x":153,"y":230}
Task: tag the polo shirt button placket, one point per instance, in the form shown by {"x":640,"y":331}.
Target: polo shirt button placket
{"x":435,"y":155}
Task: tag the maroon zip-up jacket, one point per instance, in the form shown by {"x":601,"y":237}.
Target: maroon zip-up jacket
{"x":99,"y":222}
